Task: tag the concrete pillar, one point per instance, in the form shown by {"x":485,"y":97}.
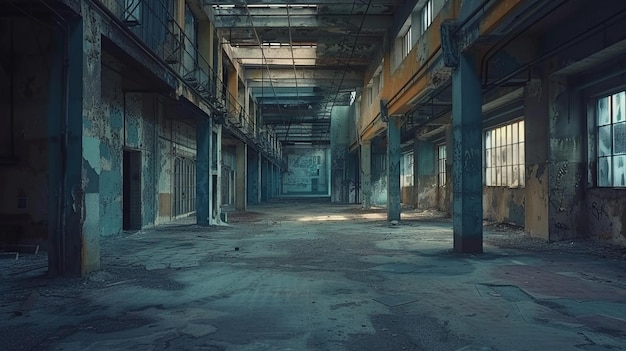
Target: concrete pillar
{"x":537,"y":188}
{"x":74,"y":156}
{"x":65,"y":230}
{"x":366,"y":174}
{"x":215,"y":206}
{"x":339,"y":141}
{"x":467,"y":219}
{"x":254,"y":177}
{"x":203,"y":195}
{"x":393,"y":169}
{"x":241,"y":174}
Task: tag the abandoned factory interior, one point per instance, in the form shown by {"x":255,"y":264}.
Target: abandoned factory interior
{"x":313,"y":175}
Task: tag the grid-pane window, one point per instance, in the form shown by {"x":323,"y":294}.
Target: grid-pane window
{"x":184,"y":186}
{"x":611,"y":136}
{"x":504,"y":155}
{"x":407,"y":44}
{"x":441,"y":165}
{"x":407,"y":169}
{"x":427,"y":15}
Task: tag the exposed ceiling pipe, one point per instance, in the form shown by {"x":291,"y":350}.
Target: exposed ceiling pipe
{"x":356,"y":39}
{"x":264,"y":59}
{"x":295,"y":74}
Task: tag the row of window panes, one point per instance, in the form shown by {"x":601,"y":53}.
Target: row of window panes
{"x":407,"y":169}
{"x":504,"y":155}
{"x":184,"y":186}
{"x":441,"y":164}
{"x":407,"y":44}
{"x":427,"y":15}
{"x":611,"y":139}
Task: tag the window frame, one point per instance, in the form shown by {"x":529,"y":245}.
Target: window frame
{"x":406,"y":43}
{"x":441,"y":165}
{"x":611,"y":124}
{"x":426,"y":16}
{"x":504,"y":155}
{"x":407,"y":170}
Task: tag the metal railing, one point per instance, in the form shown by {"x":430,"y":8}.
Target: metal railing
{"x":154,"y":23}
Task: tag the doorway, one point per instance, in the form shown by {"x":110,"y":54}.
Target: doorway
{"x":132,"y":190}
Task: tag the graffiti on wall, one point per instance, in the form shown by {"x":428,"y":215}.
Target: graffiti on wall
{"x":598,"y":211}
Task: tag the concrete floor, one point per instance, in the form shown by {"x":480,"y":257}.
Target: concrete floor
{"x":318,"y":276}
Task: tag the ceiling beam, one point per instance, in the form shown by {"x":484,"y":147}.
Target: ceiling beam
{"x":302,"y":73}
{"x":297,"y":22}
{"x":295,"y":2}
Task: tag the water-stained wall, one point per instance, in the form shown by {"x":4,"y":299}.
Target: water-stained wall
{"x":133,"y":121}
{"x":379,"y":172}
{"x":307,"y":171}
{"x":504,"y":205}
{"x":426,"y":175}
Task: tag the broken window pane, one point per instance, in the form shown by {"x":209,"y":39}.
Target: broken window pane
{"x":619,"y":170}
{"x":619,"y":138}
{"x":604,"y":171}
{"x":604,"y":140}
{"x":619,"y":107}
{"x":604,"y":117}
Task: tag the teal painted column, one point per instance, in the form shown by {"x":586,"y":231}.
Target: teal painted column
{"x":366,"y":174}
{"x":393,"y":169}
{"x":65,"y":152}
{"x":203,"y":138}
{"x":467,"y":158}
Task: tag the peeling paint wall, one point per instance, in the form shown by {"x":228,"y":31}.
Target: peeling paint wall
{"x":566,"y":167}
{"x":119,"y":120}
{"x":110,"y":127}
{"x":504,"y":205}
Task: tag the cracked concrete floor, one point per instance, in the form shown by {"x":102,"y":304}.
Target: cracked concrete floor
{"x":301,"y":275}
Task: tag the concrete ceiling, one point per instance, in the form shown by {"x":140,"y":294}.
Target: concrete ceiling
{"x":302,"y":58}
